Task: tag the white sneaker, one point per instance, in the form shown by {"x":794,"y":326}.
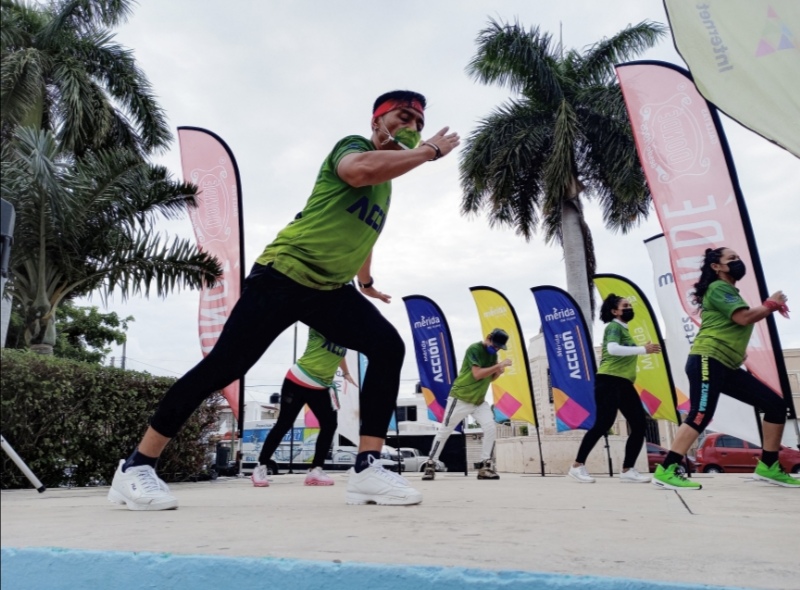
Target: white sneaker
{"x":317,"y":477}
{"x":581,"y":474}
{"x":376,"y":485}
{"x":633,"y":476}
{"x":259,"y":477}
{"x":140,"y":489}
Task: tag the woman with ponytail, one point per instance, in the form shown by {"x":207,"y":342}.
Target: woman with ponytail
{"x":614,"y":391}
{"x":714,"y":367}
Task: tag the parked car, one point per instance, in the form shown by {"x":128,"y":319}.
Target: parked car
{"x":341,"y":455}
{"x":391,"y":459}
{"x":656,"y":455}
{"x":720,"y":453}
{"x":414,"y":461}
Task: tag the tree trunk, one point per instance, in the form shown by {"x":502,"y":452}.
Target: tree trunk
{"x":575,"y":257}
{"x":42,"y":338}
{"x":46,"y":349}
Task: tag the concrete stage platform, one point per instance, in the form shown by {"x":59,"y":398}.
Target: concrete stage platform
{"x":523,"y":531}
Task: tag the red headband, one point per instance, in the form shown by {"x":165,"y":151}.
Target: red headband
{"x":392,"y":104}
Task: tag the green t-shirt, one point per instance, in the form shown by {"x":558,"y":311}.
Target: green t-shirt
{"x":720,"y":337}
{"x":321,"y":358}
{"x":618,"y":366}
{"x":326,"y":245}
{"x":466,"y":387}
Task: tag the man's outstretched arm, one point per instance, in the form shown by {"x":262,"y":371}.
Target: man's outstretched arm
{"x":376,"y":167}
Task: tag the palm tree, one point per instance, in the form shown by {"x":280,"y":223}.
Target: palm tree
{"x":62,"y":71}
{"x":85,"y":225}
{"x":566,"y":133}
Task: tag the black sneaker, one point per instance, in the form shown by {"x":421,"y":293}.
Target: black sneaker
{"x":430,"y":471}
{"x":487,"y":472}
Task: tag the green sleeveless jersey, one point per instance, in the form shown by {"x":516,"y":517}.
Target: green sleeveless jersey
{"x":321,"y":358}
{"x":466,"y":387}
{"x":617,"y":366}
{"x":328,"y":242}
{"x":720,"y":337}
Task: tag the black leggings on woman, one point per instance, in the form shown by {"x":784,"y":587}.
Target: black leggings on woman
{"x":270,"y":303}
{"x":293,"y":398}
{"x":708,"y":378}
{"x":611,"y":394}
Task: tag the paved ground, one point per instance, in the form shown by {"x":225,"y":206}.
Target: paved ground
{"x":735,"y":532}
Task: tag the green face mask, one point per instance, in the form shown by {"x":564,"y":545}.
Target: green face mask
{"x":408,"y":138}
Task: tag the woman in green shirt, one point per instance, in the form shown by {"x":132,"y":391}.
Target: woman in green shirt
{"x":714,"y":367}
{"x":614,"y":391}
{"x":308,"y":381}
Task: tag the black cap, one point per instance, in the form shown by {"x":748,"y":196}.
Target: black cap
{"x":498,"y":338}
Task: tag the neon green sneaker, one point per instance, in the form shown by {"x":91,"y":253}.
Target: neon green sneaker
{"x":775,"y":475}
{"x":670,"y":479}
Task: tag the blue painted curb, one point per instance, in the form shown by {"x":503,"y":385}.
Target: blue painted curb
{"x":67,"y":569}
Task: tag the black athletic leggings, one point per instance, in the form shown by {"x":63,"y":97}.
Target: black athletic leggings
{"x":293,"y":398}
{"x":611,"y":394}
{"x":708,"y":378}
{"x":270,"y":303}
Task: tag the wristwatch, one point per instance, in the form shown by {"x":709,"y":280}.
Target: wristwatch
{"x":368,"y":284}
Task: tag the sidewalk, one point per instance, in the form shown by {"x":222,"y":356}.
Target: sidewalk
{"x":734,"y":532}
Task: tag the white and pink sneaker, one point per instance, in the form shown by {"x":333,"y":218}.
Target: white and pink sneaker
{"x":317,"y":477}
{"x":259,"y":477}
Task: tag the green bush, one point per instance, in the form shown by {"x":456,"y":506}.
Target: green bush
{"x":72,"y":422}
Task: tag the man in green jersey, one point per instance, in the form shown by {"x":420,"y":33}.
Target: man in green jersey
{"x":468,"y":398}
{"x":304,"y":275}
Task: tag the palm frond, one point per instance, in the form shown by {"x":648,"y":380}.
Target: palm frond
{"x":560,"y":170}
{"x":22,"y":83}
{"x":146,"y":263}
{"x":116,"y":67}
{"x":20,"y":21}
{"x":520,"y":59}
{"x":609,"y":162}
{"x":599,"y":60}
{"x":502,"y":164}
{"x":120,"y":189}
{"x":81,"y":83}
{"x":37,"y":167}
{"x":86,"y":15}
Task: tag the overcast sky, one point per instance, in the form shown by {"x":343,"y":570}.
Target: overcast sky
{"x":282,"y":82}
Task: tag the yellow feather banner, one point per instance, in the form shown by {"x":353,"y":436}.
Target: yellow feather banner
{"x":653,"y":377}
{"x":512,"y":391}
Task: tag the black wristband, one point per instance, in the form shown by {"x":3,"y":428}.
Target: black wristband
{"x":436,"y":149}
{"x":368,"y":284}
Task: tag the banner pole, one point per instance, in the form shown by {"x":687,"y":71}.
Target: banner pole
{"x":464,"y":435}
{"x":541,"y":455}
{"x":9,"y":450}
{"x":797,"y":431}
{"x":397,"y":438}
{"x":608,"y":454}
{"x":242,"y":408}
{"x":291,"y":432}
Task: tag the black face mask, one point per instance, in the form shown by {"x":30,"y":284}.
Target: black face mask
{"x":627,"y":315}
{"x":736,"y":269}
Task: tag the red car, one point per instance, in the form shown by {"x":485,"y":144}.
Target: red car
{"x":724,"y":453}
